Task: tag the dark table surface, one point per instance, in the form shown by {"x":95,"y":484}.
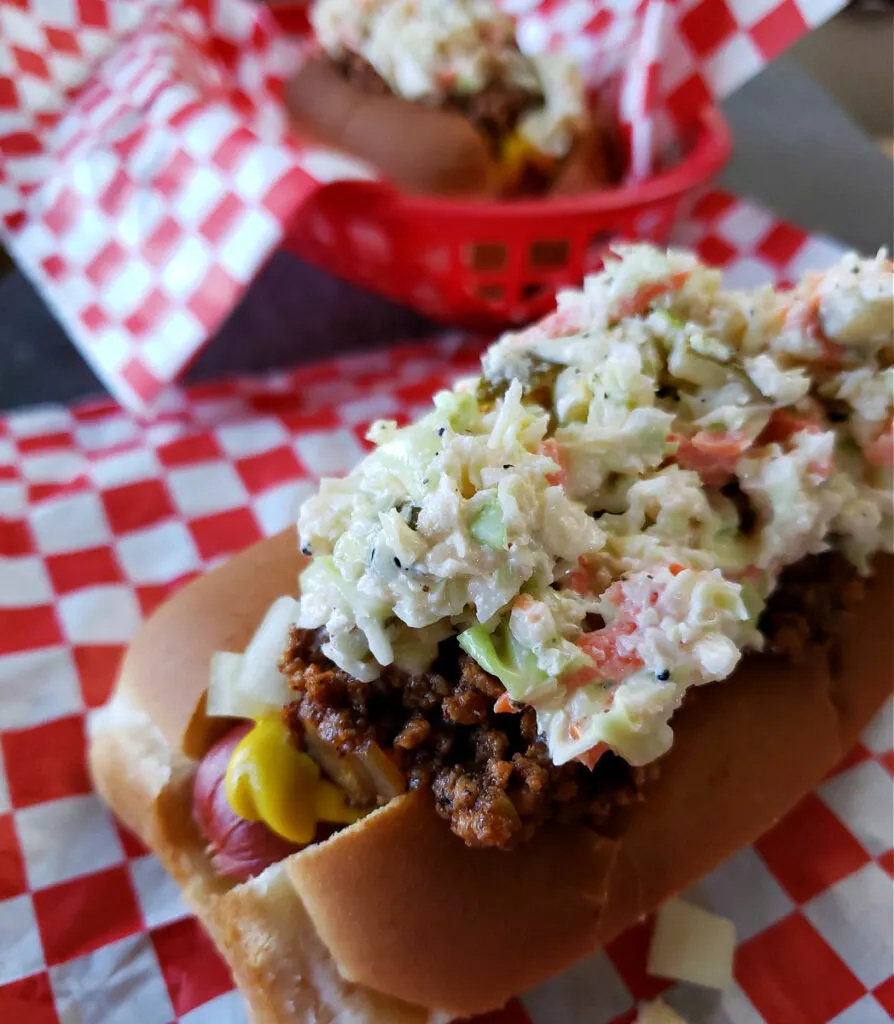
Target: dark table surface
{"x":796,"y":152}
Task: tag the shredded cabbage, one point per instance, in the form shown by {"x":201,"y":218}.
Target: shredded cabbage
{"x":651,"y":456}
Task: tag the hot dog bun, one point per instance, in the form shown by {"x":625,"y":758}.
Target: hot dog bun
{"x":394,"y":919}
{"x":421,"y":149}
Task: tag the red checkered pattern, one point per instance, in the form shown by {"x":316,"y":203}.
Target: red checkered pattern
{"x":669,"y":58}
{"x":718,"y":45}
{"x":145,"y":176}
{"x":749,"y":244}
{"x":102,"y":516}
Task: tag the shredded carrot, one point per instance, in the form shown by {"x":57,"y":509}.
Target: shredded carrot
{"x":557,"y":325}
{"x":784,"y":424}
{"x":591,"y":757}
{"x":551,"y":449}
{"x":880,"y":450}
{"x":503,"y":705}
{"x":723,"y":446}
{"x":713,"y":456}
{"x":602,"y":647}
{"x":579,"y":578}
{"x":561,"y":323}
{"x":804,"y":317}
{"x":582,"y":676}
{"x":782,"y":427}
{"x":641,"y":299}
{"x":675,"y":568}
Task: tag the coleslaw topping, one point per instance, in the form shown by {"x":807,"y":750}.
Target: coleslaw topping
{"x":601,"y":515}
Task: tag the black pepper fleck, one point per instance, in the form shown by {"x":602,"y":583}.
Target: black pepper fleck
{"x":306,"y":550}
{"x":663,"y":675}
{"x":397,"y":562}
{"x":441,"y":431}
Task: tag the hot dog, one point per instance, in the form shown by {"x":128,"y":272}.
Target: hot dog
{"x":438,"y":97}
{"x":520,"y":782}
{"x":238,"y":848}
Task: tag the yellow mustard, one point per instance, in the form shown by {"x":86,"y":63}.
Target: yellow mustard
{"x":517,"y":153}
{"x":269,"y":779}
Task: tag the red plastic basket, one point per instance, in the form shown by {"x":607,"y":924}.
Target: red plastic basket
{"x":486,"y":264}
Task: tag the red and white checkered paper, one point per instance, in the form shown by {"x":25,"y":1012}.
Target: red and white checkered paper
{"x":102,"y":516}
{"x":147,"y":172}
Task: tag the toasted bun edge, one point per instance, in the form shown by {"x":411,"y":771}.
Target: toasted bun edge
{"x":165,"y":669}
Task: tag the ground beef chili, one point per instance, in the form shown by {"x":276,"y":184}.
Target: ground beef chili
{"x":810,"y":604}
{"x":490,"y":775}
{"x":494,"y":110}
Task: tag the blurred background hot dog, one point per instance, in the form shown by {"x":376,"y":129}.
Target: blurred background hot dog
{"x":438,"y":96}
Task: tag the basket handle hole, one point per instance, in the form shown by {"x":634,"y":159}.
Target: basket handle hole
{"x":549,"y":254}
{"x":488,"y":256}
{"x":533,"y":290}
{"x":491,"y":292}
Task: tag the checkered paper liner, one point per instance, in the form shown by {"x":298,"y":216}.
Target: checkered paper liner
{"x":102,"y":516}
{"x":147,"y":172}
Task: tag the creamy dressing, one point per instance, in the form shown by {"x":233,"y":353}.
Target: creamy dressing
{"x":574,"y":514}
